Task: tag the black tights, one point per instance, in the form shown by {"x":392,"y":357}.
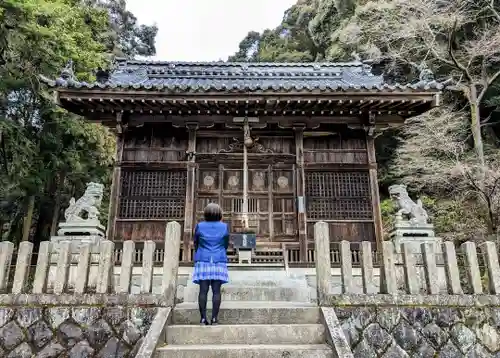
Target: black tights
{"x":202,"y":297}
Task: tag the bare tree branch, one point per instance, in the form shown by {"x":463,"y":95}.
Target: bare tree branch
{"x":491,"y":80}
{"x":496,"y":14}
{"x":452,"y":53}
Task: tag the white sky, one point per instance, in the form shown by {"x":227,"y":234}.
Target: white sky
{"x":205,"y":30}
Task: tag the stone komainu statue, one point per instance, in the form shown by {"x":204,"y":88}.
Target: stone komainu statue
{"x":89,"y":203}
{"x":414,"y":211}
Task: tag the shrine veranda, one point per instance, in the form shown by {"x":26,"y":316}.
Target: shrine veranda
{"x":181,"y":130}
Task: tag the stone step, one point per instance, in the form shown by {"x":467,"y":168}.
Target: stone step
{"x":265,"y":282}
{"x":246,"y":334}
{"x":252,"y":293}
{"x":244,"y":312}
{"x":262,"y":278}
{"x":245,"y":351}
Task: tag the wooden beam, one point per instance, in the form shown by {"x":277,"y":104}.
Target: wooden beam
{"x":137,"y":165}
{"x":301,"y":191}
{"x":375,"y":195}
{"x":329,"y":166}
{"x":270,"y":204}
{"x":190,"y":184}
{"x":284,"y":121}
{"x":245,"y":97}
{"x":114,"y":196}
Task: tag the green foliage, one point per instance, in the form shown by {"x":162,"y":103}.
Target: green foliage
{"x":388,"y":209}
{"x":41,"y":35}
{"x":47,"y":153}
{"x":125,"y":37}
{"x":289,"y":42}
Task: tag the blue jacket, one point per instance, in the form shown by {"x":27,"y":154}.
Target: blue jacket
{"x":211,"y":239}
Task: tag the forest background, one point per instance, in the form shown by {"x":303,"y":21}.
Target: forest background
{"x":449,"y":157}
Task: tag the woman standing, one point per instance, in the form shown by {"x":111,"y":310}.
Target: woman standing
{"x":211,"y":240}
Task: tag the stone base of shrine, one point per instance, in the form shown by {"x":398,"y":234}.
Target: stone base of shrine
{"x":416,"y":242}
{"x":76,"y":243}
{"x":244,"y":256}
{"x":84,"y":227}
{"x":406,"y":232}
{"x":79,"y":233}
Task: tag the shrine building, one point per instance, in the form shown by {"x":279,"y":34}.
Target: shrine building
{"x":279,"y":146}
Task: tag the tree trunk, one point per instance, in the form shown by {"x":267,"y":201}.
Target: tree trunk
{"x":55,"y":215}
{"x":476,"y":128}
{"x":15,"y":227}
{"x":28,"y":218}
{"x":57,"y":205}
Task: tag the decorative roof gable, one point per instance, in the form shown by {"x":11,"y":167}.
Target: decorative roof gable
{"x":234,"y":77}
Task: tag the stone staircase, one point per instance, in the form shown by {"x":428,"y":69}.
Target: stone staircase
{"x":260,"y":317}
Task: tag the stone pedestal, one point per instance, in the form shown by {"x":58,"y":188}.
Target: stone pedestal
{"x":244,"y":256}
{"x":415,"y":234}
{"x":77,"y":242}
{"x":415,"y":242}
{"x":84,"y":227}
{"x":79,"y":233}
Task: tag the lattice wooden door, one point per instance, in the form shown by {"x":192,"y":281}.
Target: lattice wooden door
{"x":148,"y":200}
{"x":341,"y":198}
{"x":271,"y":198}
{"x":152,"y":195}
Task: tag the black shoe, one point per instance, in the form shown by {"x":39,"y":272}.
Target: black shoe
{"x":204,"y":322}
{"x":214,"y":322}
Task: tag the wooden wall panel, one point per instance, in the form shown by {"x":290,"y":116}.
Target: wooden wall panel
{"x":155,"y":143}
{"x":213,"y":144}
{"x":350,"y":231}
{"x":140,"y":231}
{"x":335,"y":149}
{"x":278,"y":144}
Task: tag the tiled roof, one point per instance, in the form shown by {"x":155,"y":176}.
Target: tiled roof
{"x":240,"y":77}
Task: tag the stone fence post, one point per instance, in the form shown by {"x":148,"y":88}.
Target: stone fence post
{"x":171,"y":261}
{"x":323,"y":260}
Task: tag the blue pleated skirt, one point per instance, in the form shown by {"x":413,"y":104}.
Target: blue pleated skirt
{"x":210,"y":271}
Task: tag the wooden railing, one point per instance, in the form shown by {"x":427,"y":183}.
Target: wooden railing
{"x":288,"y":253}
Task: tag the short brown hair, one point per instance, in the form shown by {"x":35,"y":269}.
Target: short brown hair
{"x":212,"y":212}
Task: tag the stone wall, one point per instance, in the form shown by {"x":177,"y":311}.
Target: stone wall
{"x":74,"y":332}
{"x":423,"y":326}
{"x":427,"y":332}
{"x":68,"y":306}
{"x":84,"y":327}
{"x":427,"y":313}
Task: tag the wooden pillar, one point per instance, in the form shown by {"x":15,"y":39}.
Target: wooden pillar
{"x":114,"y":196}
{"x":190,"y":183}
{"x":301,"y":190}
{"x":375,"y":196}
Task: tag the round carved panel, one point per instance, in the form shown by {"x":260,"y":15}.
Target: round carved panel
{"x":208,"y":181}
{"x":282,"y":182}
{"x":233,"y":181}
{"x":258,"y":181}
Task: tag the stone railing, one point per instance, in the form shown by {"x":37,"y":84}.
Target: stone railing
{"x":63,"y":269}
{"x":433,"y":270}
{"x":430,"y":301}
{"x":69,"y":304}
